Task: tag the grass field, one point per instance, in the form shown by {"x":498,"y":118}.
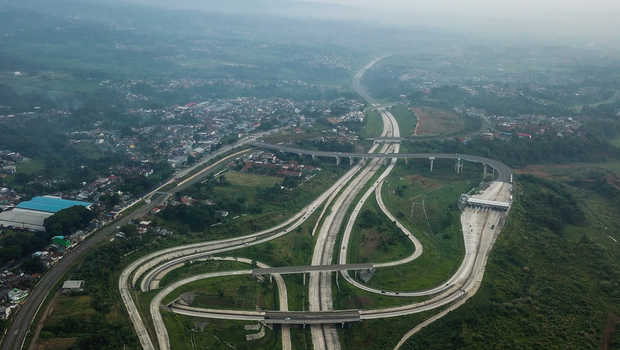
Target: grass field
{"x":73,"y":317}
{"x":426,"y":204}
{"x":230,"y":292}
{"x":260,"y":207}
{"x":31,"y":166}
{"x":372,"y":125}
{"x":251,"y":180}
{"x":434,"y":121}
{"x":196,"y":333}
{"x":406,"y":119}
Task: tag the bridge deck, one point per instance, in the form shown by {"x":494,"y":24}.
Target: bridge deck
{"x":504,"y":172}
{"x":308,"y":317}
{"x":317,"y":268}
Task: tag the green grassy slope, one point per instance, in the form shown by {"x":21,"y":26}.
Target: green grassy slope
{"x":549,"y":284}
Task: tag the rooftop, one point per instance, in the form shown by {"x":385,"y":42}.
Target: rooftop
{"x":24,"y":218}
{"x":50,"y":204}
{"x":73,"y":284}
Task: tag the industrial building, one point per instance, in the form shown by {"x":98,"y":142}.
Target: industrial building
{"x":31,"y":215}
{"x":73,"y":286}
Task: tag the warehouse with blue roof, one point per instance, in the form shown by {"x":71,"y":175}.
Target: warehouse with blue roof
{"x":32,"y":214}
{"x":50,"y":204}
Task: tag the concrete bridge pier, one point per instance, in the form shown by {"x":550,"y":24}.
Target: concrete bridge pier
{"x":301,"y":155}
{"x":304,"y":279}
{"x":337,"y":161}
{"x":351,"y":161}
{"x":432,"y":159}
{"x":484,"y":171}
{"x":459,"y":165}
{"x":313,"y":157}
{"x":406,"y":161}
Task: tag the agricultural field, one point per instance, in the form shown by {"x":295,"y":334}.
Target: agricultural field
{"x":434,"y":121}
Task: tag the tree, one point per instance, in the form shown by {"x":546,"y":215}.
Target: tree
{"x":33,"y":265}
{"x":68,"y":220}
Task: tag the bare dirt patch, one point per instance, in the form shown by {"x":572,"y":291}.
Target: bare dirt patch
{"x":57,"y":344}
{"x":424,"y":181}
{"x":434,"y":121}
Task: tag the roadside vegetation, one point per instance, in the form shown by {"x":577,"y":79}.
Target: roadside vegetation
{"x":549,"y":284}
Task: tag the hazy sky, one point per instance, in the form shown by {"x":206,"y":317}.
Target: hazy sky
{"x":489,"y":7}
{"x":581,"y":19}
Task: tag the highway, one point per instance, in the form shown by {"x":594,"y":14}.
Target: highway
{"x":156,"y":303}
{"x":336,"y":201}
{"x":319,"y":287}
{"x":164,"y":260}
{"x":464,"y":283}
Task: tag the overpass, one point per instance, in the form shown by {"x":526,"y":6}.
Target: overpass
{"x":313,"y":268}
{"x":387,"y":139}
{"x":504,"y":172}
{"x":269,"y":317}
{"x":308,"y":317}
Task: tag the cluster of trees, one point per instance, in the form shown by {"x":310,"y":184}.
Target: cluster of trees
{"x":139,"y":184}
{"x":69,"y":220}
{"x":194,"y":218}
{"x":390,"y":235}
{"x":15,"y":245}
{"x":550,"y":204}
{"x":520,"y":152}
